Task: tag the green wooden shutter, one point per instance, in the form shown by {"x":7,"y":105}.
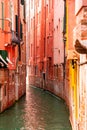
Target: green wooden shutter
{"x":2,"y":6}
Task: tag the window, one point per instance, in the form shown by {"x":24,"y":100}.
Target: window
{"x":21,"y":33}
{"x":22,"y":2}
{"x":0,"y":91}
{"x":39,"y":16}
{"x":16,"y":22}
{"x":38,"y":2}
{"x":5,"y":90}
{"x":47,"y":10}
{"x":31,"y":24}
{"x":50,"y":5}
{"x":31,"y":4}
{"x":31,"y":49}
{"x":10,"y":9}
{"x":56,"y":71}
{"x":64,"y":19}
{"x":44,"y":46}
{"x":11,"y":13}
{"x":2,"y":7}
{"x":49,"y":28}
{"x":24,"y":12}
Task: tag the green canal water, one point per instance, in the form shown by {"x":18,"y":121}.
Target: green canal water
{"x":38,"y":110}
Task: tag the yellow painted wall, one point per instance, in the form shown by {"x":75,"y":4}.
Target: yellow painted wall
{"x":74,"y":88}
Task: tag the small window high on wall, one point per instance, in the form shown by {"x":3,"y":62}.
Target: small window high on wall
{"x":31,"y":4}
{"x":22,"y":2}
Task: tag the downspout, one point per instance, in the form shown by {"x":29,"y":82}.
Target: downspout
{"x":45,"y":51}
{"x":19,"y":48}
{"x":44,"y":67}
{"x":45,"y":32}
{"x":64,"y":41}
{"x":34,"y":41}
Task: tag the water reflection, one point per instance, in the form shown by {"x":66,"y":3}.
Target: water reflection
{"x":38,"y":110}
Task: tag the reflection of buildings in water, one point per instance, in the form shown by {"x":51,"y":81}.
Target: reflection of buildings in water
{"x":33,"y":117}
{"x":41,"y":111}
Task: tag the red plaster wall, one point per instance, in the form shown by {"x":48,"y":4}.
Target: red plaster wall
{"x":71,"y":22}
{"x":58,"y":32}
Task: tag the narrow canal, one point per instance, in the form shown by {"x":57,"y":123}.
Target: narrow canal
{"x":38,"y":110}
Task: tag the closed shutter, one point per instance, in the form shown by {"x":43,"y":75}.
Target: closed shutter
{"x":2,"y":6}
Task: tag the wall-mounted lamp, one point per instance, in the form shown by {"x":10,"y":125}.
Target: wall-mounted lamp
{"x":73,"y":63}
{"x":64,"y":37}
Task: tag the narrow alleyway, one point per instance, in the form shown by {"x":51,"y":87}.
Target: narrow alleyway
{"x":38,"y":110}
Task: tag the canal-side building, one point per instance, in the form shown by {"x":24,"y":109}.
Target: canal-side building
{"x":47,"y":30}
{"x":71,"y":82}
{"x":41,"y":42}
{"x":46,"y":62}
{"x":47,"y":46}
{"x":31,"y":34}
{"x":59,"y":47}
{"x":76,"y":62}
{"x":58,"y":53}
{"x":80,"y":44}
{"x":12,"y":52}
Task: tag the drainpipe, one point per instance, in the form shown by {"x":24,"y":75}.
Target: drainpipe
{"x":45,"y":33}
{"x":19,"y":48}
{"x":34,"y":64}
{"x":64,"y":40}
{"x":45,"y":53}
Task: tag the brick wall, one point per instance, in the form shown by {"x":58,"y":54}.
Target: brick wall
{"x":3,"y":89}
